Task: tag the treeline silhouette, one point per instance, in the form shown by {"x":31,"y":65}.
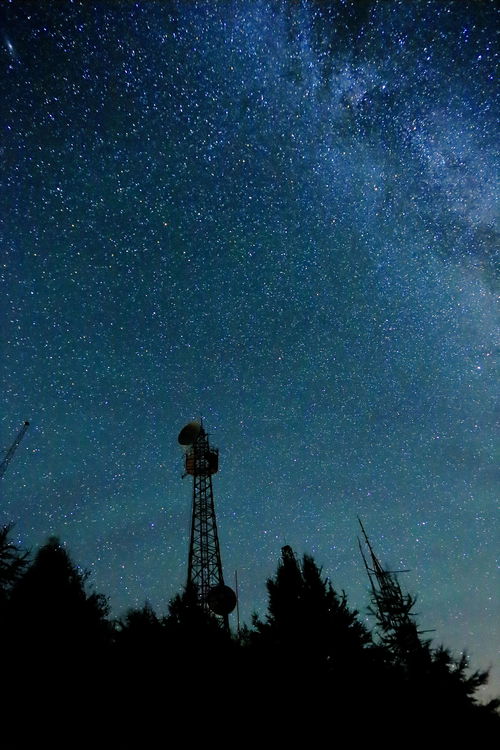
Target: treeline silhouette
{"x":308,"y":670}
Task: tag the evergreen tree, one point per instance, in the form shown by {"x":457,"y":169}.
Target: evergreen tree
{"x":422,"y":683}
{"x":308,"y":657}
{"x":194,"y":633}
{"x":13,"y":562}
{"x":58,"y":636}
{"x":309,"y":637}
{"x":51,"y":611}
{"x":139,"y":624}
{"x":140,"y":641}
{"x":306,"y":616}
{"x":140,"y":661}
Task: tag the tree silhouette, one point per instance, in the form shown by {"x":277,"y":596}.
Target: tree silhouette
{"x":194,"y":634}
{"x":139,"y":624}
{"x":308,"y":617}
{"x":58,"y":636}
{"x":140,"y":640}
{"x":51,"y":611}
{"x":310,"y":638}
{"x":423,"y":685}
{"x":310,"y":656}
{"x":13,"y":563}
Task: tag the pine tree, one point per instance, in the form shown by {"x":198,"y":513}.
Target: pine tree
{"x":310,"y":650}
{"x":51,"y":611}
{"x":13,"y":563}
{"x":191,"y":629}
{"x":58,"y":637}
{"x":422,"y":683}
{"x":139,"y":623}
{"x":309,"y":629}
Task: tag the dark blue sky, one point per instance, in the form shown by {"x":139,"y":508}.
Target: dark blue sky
{"x":283,"y":217}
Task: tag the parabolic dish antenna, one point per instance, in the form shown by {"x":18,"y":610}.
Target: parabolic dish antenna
{"x":221,"y":599}
{"x":189,"y":433}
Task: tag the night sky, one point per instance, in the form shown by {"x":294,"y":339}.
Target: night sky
{"x":282,"y":217}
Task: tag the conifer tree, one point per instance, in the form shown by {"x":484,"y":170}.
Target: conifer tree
{"x":310,"y":649}
{"x":50,"y":609}
{"x":191,"y":627}
{"x":308,"y":624}
{"x":424,"y":683}
{"x":13,"y":562}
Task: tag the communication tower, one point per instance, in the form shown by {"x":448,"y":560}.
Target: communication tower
{"x":204,"y":563}
{"x":392,"y":608}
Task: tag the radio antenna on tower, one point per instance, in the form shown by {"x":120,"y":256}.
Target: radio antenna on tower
{"x":10,"y":452}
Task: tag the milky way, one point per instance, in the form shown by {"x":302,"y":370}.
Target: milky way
{"x":282,"y":217}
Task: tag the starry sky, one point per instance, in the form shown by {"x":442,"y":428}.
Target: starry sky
{"x":281,"y":216}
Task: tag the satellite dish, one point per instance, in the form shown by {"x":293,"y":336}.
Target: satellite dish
{"x":221,"y":599}
{"x":189,"y":433}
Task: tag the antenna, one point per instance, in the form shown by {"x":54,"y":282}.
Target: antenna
{"x":237,"y":601}
{"x":189,"y":433}
{"x":392,"y":608}
{"x":10,"y":452}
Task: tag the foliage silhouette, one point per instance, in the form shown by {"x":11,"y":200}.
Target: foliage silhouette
{"x":58,"y":638}
{"x":423,"y":684}
{"x":50,"y":610}
{"x":306,"y":616}
{"x":311,"y":645}
{"x":13,"y":563}
{"x":138,"y":624}
{"x":196,"y":635}
{"x":309,"y":656}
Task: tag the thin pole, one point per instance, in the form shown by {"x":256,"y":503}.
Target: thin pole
{"x":237,"y":601}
